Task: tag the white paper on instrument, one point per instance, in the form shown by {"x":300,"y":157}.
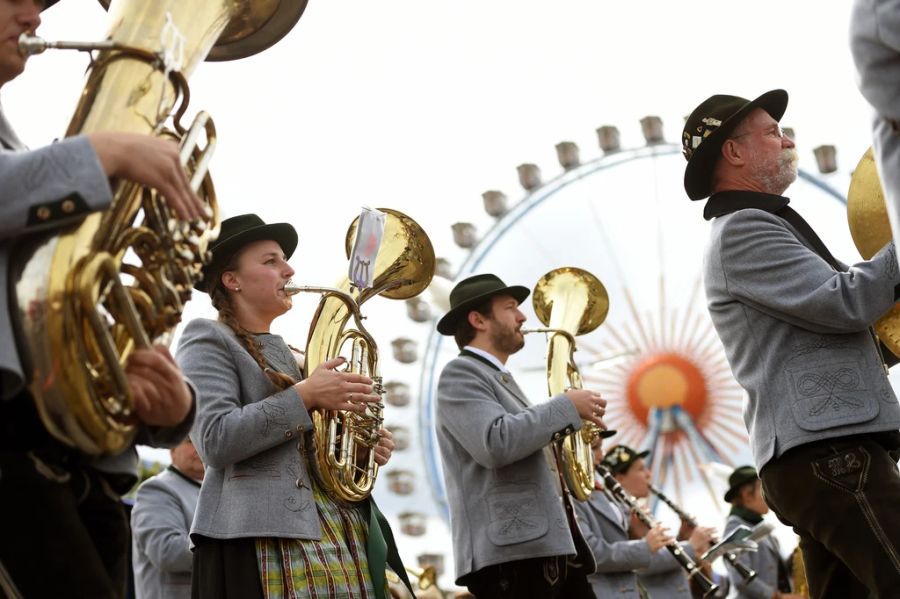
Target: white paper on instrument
{"x":365,"y":247}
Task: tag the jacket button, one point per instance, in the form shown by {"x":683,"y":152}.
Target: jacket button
{"x":300,"y":484}
{"x":68,"y":206}
{"x":299,"y":428}
{"x":43,"y":213}
{"x":288,"y":434}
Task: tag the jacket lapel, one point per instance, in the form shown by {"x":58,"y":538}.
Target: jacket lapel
{"x":504,"y":378}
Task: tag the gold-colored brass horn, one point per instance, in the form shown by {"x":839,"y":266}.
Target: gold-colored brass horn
{"x":90,"y":294}
{"x":569,"y":302}
{"x":345,"y":441}
{"x":871,"y":229}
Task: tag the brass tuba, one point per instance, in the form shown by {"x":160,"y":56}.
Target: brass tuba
{"x":90,"y":294}
{"x":570,"y":302}
{"x":870,"y":229}
{"x":344,"y":441}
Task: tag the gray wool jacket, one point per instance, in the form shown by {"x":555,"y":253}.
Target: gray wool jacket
{"x":160,"y":524}
{"x":247,"y":433}
{"x":796,"y":330}
{"x":503,"y":497}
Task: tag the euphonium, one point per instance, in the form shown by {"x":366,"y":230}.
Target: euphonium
{"x":870,"y":229}
{"x":570,"y":302}
{"x":91,"y":294}
{"x":345,"y":441}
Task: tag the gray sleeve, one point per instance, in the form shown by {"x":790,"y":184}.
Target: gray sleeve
{"x":158,"y":527}
{"x":615,"y":556}
{"x":230,"y":428}
{"x":494,"y":437}
{"x":768,"y":268}
{"x":34,"y":184}
{"x":875,"y":46}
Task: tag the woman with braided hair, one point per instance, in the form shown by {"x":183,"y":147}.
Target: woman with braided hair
{"x":264,"y":528}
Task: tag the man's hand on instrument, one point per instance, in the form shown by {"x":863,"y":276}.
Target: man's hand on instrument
{"x":702,"y":539}
{"x":589,"y":404}
{"x":385,"y":447}
{"x":151,"y":161}
{"x":657,"y":538}
{"x":160,"y":394}
{"x":330,"y":389}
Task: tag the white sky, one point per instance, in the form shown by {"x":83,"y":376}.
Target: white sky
{"x":423,"y":105}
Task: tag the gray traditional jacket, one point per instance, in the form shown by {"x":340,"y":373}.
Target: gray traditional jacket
{"x":605,"y":529}
{"x":764,"y":561}
{"x":160,"y":525}
{"x":795,"y":329}
{"x":248,"y":434}
{"x":503,"y":498}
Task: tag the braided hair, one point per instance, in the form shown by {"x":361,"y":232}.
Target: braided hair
{"x":221,"y":301}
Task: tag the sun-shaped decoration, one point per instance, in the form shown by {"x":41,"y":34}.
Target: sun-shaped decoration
{"x":672,"y":394}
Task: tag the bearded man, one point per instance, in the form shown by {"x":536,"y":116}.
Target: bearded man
{"x":796,"y":325}
{"x":514,"y":532}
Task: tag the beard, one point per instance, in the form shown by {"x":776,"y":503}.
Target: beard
{"x":507,"y":339}
{"x":778,"y":174}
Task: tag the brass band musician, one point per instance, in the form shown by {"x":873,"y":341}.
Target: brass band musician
{"x":512,"y":536}
{"x":55,"y":501}
{"x":265,"y":524}
{"x":795,"y":324}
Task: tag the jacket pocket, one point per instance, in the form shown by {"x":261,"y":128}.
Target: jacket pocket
{"x":516,"y":514}
{"x":829,"y":388}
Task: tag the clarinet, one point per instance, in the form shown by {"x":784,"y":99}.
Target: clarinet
{"x":707,"y":587}
{"x":746,"y":573}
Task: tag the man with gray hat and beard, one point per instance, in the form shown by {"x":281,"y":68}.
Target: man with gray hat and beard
{"x":795,"y":323}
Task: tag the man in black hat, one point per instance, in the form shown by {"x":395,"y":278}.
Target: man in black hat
{"x":795,"y":324}
{"x":748,"y":506}
{"x":64,"y":529}
{"x":512,"y":536}
{"x":605,"y":525}
{"x":663,"y":577}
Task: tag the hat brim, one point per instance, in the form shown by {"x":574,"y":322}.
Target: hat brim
{"x":698,"y":174}
{"x":730,"y":493}
{"x":48,"y":4}
{"x":223,"y":249}
{"x":608,"y":433}
{"x":447,"y":324}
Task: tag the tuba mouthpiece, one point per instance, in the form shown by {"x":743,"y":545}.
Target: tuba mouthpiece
{"x":31,"y":44}
{"x":291,"y":290}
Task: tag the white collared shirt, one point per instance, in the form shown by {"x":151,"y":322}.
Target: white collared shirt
{"x":489,"y":357}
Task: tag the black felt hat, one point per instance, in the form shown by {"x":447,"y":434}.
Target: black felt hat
{"x":468,"y":293}
{"x":737,"y":479}
{"x":607,"y":433}
{"x":709,"y":126}
{"x":49,"y":3}
{"x":238,"y":231}
{"x":620,"y":458}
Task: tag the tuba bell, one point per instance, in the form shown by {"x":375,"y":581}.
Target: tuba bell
{"x":344,"y":461}
{"x":90,"y":294}
{"x":870,"y":229}
{"x":570,"y":302}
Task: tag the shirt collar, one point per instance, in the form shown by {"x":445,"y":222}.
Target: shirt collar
{"x":726,"y":202}
{"x":489,"y":357}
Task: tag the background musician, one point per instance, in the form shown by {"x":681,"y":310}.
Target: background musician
{"x":161,"y":524}
{"x":663,"y":577}
{"x":748,"y":506}
{"x":605,"y":523}
{"x":511,"y":536}
{"x":795,"y":325}
{"x":55,"y":502}
{"x":263,"y":519}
